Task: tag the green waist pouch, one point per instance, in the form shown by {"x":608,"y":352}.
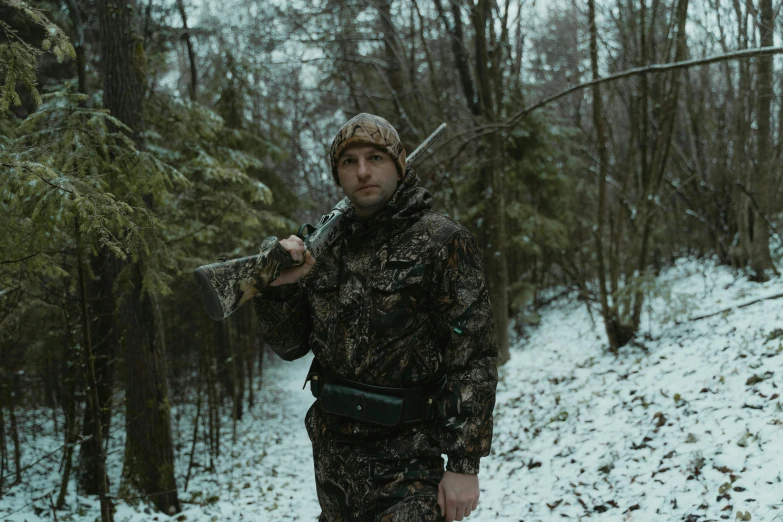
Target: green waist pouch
{"x":362,"y":405}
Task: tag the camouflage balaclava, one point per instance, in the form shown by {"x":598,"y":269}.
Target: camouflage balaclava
{"x":371,"y":130}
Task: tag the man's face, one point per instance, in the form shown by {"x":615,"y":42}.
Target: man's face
{"x":368,"y":176}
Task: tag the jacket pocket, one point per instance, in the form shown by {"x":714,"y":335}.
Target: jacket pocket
{"x":396,"y":298}
{"x":322,"y":296}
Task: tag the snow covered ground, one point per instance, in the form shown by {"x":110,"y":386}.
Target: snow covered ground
{"x":686,"y":424}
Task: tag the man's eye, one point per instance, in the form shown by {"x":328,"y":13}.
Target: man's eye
{"x":347,"y":161}
{"x":376,"y":157}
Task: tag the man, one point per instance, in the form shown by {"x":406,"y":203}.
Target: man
{"x":397,"y":315}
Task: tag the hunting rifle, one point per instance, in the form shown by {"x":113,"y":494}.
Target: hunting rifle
{"x":227,"y":285}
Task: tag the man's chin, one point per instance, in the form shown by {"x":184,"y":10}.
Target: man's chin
{"x":368,"y":206}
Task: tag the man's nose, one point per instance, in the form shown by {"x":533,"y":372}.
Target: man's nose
{"x":363,"y":168}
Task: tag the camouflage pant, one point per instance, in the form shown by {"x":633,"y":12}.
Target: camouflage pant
{"x":386,"y":480}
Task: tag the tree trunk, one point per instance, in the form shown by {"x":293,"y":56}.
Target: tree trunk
{"x":251,"y":353}
{"x":193,"y":87}
{"x":763,"y":188}
{"x":14,"y":392}
{"x":70,"y":406}
{"x":238,"y":366}
{"x":78,"y":44}
{"x":658,"y":160}
{"x":393,"y":54}
{"x":104,"y":347}
{"x":3,"y":449}
{"x":149,"y":451}
{"x":199,"y":380}
{"x":615,"y":331}
{"x":492,"y":174}
{"x":224,"y":344}
{"x":69,"y":439}
{"x":482,"y":106}
{"x":460,"y":55}
{"x":103,"y":340}
{"x":93,"y":401}
{"x":123,"y":64}
{"x":213,"y":401}
{"x":495,"y":257}
{"x":743,"y":101}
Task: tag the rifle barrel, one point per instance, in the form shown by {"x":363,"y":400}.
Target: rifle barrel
{"x":425,"y":145}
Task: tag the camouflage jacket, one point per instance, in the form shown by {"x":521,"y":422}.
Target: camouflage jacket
{"x":398,"y":297}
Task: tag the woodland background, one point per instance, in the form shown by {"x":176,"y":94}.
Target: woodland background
{"x":139,"y":140}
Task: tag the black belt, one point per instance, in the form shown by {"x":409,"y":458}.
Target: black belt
{"x":376,"y":404}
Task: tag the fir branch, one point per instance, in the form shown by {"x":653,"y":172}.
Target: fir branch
{"x":18,"y":59}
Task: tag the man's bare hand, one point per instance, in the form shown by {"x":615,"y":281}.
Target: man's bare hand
{"x":458,"y":495}
{"x":296,"y":247}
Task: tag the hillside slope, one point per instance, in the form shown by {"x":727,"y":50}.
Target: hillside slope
{"x":687,"y":424}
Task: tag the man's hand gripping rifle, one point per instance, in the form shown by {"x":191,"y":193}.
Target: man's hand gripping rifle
{"x":226,"y":286}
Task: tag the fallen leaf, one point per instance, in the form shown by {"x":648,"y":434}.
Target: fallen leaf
{"x":554,"y":504}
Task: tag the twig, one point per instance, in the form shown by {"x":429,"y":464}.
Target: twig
{"x":52,"y":453}
{"x":776,"y":296}
{"x":58,"y":187}
{"x":143,"y":495}
{"x":32,"y":501}
{"x":18,"y":260}
{"x":54,"y":510}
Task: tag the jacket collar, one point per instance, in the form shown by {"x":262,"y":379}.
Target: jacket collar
{"x":407,"y":204}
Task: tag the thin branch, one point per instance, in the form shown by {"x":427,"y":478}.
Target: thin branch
{"x":776,"y":296}
{"x":491,"y":128}
{"x":654,"y":68}
{"x":55,"y":186}
{"x":31,"y":501}
{"x":18,"y":260}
